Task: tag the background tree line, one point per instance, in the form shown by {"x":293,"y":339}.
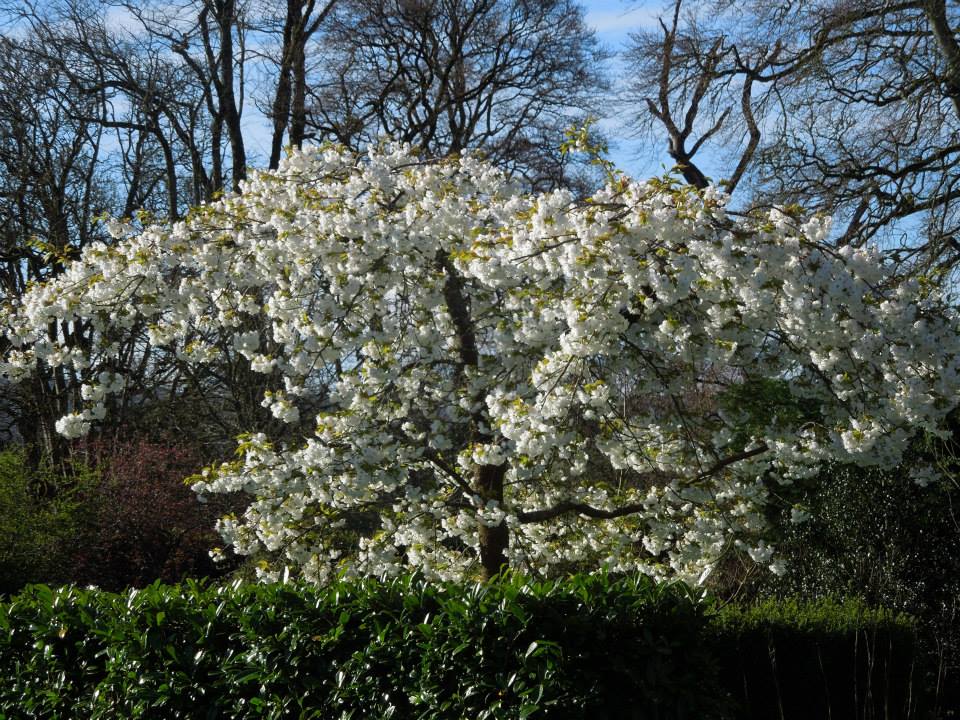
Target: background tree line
{"x":847,"y":108}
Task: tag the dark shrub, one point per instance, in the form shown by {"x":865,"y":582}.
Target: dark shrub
{"x":143,"y":523}
{"x":878,"y":536}
{"x":798,"y":660}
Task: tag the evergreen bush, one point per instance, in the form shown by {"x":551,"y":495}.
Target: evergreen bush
{"x":592,"y":647}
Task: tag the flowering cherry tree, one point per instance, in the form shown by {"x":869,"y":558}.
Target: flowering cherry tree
{"x":473,"y":377}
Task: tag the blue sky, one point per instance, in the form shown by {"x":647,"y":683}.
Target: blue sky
{"x":613,"y":21}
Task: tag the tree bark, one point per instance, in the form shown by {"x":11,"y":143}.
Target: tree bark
{"x":228,"y":101}
{"x":487,"y":479}
{"x":281,"y":99}
{"x":488,"y":483}
{"x":290,"y":99}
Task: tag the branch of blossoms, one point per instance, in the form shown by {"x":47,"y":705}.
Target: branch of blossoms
{"x":562,"y":508}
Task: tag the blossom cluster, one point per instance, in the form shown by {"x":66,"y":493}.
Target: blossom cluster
{"x":642,"y":368}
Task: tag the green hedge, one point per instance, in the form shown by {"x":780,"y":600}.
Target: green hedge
{"x":584,"y":647}
{"x":796,"y":660}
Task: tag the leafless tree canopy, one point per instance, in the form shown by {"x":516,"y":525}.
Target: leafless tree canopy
{"x":507,"y":77}
{"x":846,"y":106}
{"x":52,"y":183}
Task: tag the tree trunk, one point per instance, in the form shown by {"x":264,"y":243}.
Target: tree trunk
{"x":493,"y":540}
{"x":487,"y":479}
{"x":281,"y":99}
{"x":298,"y":110}
{"x":225,"y":11}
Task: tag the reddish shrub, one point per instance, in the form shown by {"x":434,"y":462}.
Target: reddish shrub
{"x":143,"y":522}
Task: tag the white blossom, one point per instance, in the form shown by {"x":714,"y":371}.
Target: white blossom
{"x":639,"y":368}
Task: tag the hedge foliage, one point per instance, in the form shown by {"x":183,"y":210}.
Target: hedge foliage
{"x":799,"y":660}
{"x":583,"y":647}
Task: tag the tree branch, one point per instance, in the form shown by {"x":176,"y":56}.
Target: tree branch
{"x":563,"y":508}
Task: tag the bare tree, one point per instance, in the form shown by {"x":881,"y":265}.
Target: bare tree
{"x":170,"y":78}
{"x":287,"y":109}
{"x":52,"y":185}
{"x":208,"y":38}
{"x":851,"y":108}
{"x":507,"y":77}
